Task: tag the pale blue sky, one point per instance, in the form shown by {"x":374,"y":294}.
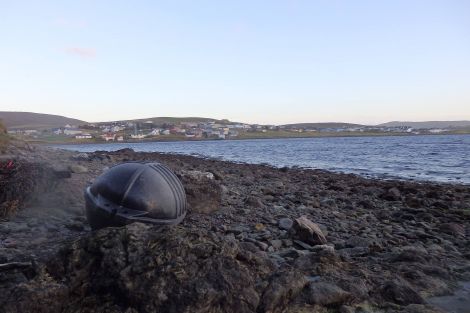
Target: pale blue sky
{"x":252,"y":61}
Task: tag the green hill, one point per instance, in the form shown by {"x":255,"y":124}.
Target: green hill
{"x":15,"y":120}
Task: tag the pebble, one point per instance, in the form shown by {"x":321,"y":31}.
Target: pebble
{"x":285,"y":223}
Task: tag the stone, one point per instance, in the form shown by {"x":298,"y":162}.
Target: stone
{"x":453,"y":229}
{"x":78,"y":169}
{"x":81,"y":156}
{"x":308,"y":231}
{"x":326,"y":294}
{"x":401,"y":293}
{"x":276,"y":243}
{"x":155,"y":269}
{"x":254,"y":202}
{"x":285,"y":223}
{"x":393,"y":194}
{"x":282,"y":288}
{"x":203,"y":192}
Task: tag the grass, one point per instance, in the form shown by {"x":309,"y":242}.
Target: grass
{"x":4,"y":139}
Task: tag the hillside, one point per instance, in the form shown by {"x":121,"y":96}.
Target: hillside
{"x":322,"y":125}
{"x":429,"y":124}
{"x":177,"y":120}
{"x":14,"y":120}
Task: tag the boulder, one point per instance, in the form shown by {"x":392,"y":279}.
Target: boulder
{"x":308,"y":231}
{"x":326,"y":294}
{"x":141,"y":268}
{"x":203,"y":192}
{"x":400,"y":292}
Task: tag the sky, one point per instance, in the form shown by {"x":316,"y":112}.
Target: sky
{"x":255,"y":61}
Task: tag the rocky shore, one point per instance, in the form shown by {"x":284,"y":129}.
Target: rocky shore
{"x":256,"y":239}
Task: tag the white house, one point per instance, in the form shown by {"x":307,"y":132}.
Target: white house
{"x":71,"y":131}
{"x":84,"y":136}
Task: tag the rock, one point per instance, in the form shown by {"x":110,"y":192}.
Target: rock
{"x":393,"y":194}
{"x":401,"y":293}
{"x":61,"y":172}
{"x":283,"y":288}
{"x":81,"y":156}
{"x":254,"y":202}
{"x":151,"y":269}
{"x":452,"y":229}
{"x":260,"y":226}
{"x":75,"y":226}
{"x":326,"y":294}
{"x":357,"y":241}
{"x":203,"y":192}
{"x":308,"y":231}
{"x":277,"y":244}
{"x":285,"y":223}
{"x":198,"y":175}
{"x":78,"y":169}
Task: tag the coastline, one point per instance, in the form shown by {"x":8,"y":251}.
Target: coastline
{"x":183,"y":139}
{"x":390,"y":244}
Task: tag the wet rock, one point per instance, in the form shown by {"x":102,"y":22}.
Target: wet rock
{"x":308,"y":231}
{"x":401,"y":293}
{"x":326,"y":294}
{"x":285,"y":223}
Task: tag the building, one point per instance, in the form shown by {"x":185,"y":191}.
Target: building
{"x":109,"y":136}
{"x":138,"y":136}
{"x":72,"y":131}
{"x":84,"y":136}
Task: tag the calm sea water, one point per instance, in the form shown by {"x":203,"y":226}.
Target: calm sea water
{"x":435,"y":158}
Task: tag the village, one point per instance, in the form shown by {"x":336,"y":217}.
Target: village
{"x":150,"y":130}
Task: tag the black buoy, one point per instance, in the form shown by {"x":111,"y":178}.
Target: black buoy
{"x":135,"y":192}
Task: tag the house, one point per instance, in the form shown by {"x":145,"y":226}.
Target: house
{"x":138,"y":136}
{"x":109,"y":136}
{"x":72,"y":131}
{"x":57,"y":131}
{"x":154,"y":132}
{"x":120,"y":138}
{"x":84,"y":136}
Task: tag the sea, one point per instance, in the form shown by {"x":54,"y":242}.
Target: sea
{"x":437,"y":158}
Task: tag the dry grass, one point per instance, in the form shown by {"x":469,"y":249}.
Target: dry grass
{"x":4,"y":139}
{"x":18,"y":180}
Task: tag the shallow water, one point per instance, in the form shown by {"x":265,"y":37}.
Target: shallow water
{"x":443,"y":158}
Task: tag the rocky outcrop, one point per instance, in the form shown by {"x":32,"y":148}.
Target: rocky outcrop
{"x":262,"y":240}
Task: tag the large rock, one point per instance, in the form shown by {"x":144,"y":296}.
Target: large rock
{"x":401,"y":293}
{"x":281,"y":289}
{"x":203,"y":192}
{"x":140,"y":268}
{"x":326,"y":294}
{"x":308,"y":231}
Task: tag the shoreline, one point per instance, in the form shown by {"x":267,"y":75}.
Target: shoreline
{"x":332,"y":135}
{"x":390,"y":245}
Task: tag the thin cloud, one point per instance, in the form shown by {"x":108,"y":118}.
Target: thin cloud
{"x":86,"y":53}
